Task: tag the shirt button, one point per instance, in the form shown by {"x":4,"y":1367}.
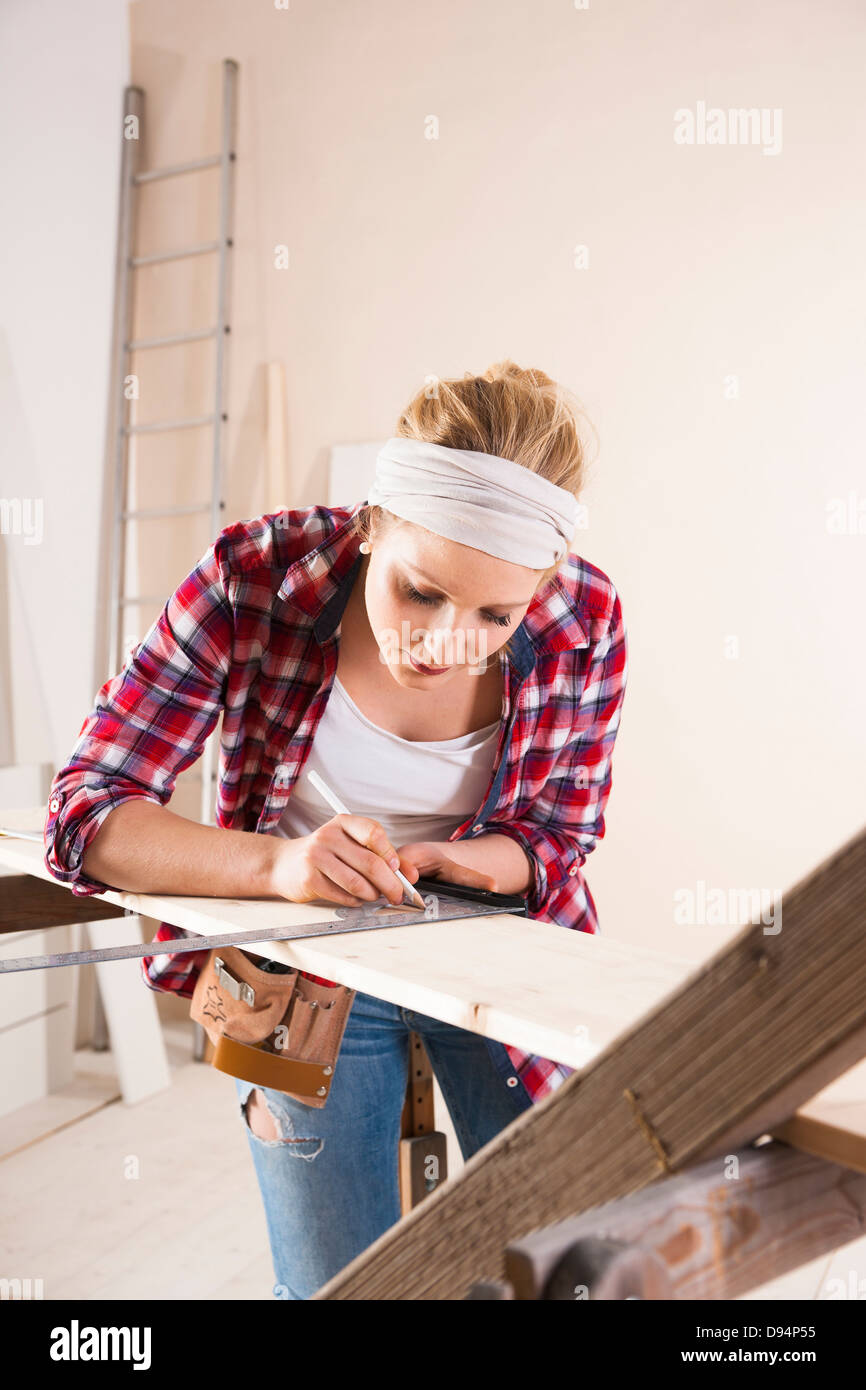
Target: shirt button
{"x":512,"y":1081}
{"x":54,"y":803}
{"x":476,"y":828}
{"x":572,"y":871}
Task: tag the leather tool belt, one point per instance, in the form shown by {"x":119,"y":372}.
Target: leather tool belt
{"x":280,"y":1031}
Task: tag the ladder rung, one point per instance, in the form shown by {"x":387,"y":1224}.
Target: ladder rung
{"x":169,"y":424}
{"x":200,"y":250}
{"x":169,"y":172}
{"x":139,"y":343}
{"x":150,"y":512}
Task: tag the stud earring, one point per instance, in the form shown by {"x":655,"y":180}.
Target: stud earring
{"x":364,"y":547}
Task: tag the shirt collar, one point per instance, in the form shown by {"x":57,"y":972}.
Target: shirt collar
{"x":320,"y":582}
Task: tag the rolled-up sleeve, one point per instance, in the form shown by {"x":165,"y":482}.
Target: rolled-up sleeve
{"x":149,"y":722}
{"x":566,"y":818}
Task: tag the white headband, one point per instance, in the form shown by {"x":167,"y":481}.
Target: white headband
{"x":481,"y":500}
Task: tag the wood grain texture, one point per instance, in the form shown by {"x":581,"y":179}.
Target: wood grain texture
{"x":759,"y":1018}
{"x":721,"y":1228}
{"x":31,"y":904}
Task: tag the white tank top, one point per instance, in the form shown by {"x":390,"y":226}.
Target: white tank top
{"x":416,"y":791}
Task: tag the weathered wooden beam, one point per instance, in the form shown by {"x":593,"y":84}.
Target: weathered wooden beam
{"x":600,"y":1268}
{"x":496,"y":1291}
{"x":29,"y":904}
{"x":761,"y":1019}
{"x":719,"y":1228}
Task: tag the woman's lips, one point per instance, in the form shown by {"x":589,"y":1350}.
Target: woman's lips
{"x":427,"y":670}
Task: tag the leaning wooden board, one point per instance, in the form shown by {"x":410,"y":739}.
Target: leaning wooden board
{"x":734,"y":1052}
{"x":534,"y":985}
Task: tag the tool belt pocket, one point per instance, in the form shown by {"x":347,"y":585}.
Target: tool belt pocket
{"x":280,"y":1031}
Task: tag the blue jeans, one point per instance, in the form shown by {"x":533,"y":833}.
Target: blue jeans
{"x":330,"y":1183}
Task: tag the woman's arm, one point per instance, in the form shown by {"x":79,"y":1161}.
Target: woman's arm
{"x":148,"y":723}
{"x":144,"y":848}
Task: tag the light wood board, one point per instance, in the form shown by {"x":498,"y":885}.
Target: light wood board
{"x":833,"y":1124}
{"x":534,"y":985}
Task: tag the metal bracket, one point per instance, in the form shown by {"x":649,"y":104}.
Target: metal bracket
{"x":238,"y":989}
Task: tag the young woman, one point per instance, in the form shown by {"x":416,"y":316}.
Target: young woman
{"x":456,"y":676}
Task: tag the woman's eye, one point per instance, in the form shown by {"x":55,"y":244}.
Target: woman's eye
{"x":420,"y":598}
{"x":417,"y":597}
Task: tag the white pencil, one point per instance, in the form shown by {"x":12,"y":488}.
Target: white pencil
{"x":415,"y":899}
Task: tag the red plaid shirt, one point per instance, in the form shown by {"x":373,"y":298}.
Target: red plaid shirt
{"x":250,"y":633}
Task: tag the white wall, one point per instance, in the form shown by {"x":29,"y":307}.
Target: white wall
{"x":411,"y":257}
{"x":62,"y":73}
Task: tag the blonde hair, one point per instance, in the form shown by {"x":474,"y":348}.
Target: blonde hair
{"x":514,"y":412}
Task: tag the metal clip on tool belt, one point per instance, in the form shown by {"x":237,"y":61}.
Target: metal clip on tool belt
{"x":280,"y":1031}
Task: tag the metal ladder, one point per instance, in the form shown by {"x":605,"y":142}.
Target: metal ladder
{"x":120,"y":428}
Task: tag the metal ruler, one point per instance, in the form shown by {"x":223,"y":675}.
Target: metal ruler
{"x":443,"y":902}
{"x":444,"y":909}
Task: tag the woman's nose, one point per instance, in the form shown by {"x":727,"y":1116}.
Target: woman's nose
{"x":436,"y":643}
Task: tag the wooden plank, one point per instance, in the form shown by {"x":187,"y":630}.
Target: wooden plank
{"x":760,"y":1018}
{"x":423,"y":1154}
{"x":30,"y":894}
{"x":720,"y":1229}
{"x":556,"y":993}
{"x":133,"y":1021}
{"x":32,"y":904}
{"x":534,"y":985}
{"x":36,"y":993}
{"x":833,"y":1124}
{"x":36,"y":1055}
{"x":496,"y":1291}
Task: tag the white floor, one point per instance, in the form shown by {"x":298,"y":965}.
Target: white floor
{"x":159,"y":1200}
{"x":155,"y":1200}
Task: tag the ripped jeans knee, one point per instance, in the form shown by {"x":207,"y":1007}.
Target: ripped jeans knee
{"x":270,"y":1124}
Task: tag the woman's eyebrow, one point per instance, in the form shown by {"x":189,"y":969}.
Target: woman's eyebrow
{"x":518,"y":603}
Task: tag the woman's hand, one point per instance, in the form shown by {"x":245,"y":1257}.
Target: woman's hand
{"x":344,"y":861}
{"x":427,"y":859}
